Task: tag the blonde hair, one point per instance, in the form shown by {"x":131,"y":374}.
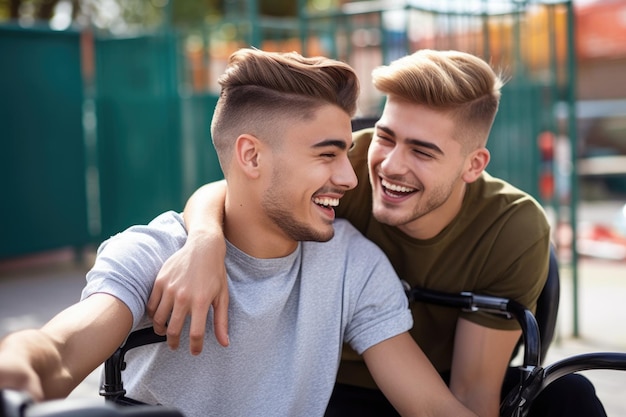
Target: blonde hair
{"x":458,"y":83}
{"x":263,"y":91}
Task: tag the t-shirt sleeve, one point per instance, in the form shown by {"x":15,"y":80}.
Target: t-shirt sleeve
{"x":380,"y":308}
{"x":127,"y":264}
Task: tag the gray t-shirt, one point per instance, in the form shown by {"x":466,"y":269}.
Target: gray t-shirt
{"x":288,"y":319}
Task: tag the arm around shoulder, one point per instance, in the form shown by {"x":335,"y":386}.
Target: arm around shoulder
{"x":194,"y":278}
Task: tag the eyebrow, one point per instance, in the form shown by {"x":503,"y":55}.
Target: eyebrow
{"x":338,"y":143}
{"x":412,"y":141}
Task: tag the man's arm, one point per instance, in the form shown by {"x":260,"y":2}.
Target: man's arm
{"x":409,"y":381}
{"x":481,"y":354}
{"x":184,"y":285}
{"x":52,"y":361}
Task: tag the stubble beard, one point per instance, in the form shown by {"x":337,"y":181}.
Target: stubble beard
{"x":285,"y":220}
{"x":294,"y":229}
{"x":393,"y":215}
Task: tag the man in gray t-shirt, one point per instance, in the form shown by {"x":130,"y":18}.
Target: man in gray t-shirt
{"x":300,"y":283}
{"x":293,"y":315}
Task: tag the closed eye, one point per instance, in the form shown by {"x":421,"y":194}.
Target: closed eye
{"x":421,"y":153}
{"x":385,"y":139}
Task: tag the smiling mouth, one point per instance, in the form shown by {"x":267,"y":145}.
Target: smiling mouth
{"x":395,"y":190}
{"x":328,"y":203}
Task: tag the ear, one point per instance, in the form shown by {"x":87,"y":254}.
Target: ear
{"x":477,"y":161}
{"x":247,"y":154}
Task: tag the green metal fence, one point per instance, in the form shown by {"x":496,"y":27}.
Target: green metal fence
{"x":153,"y":135}
{"x":42,"y":161}
{"x":83,"y":158}
{"x":138,"y":130}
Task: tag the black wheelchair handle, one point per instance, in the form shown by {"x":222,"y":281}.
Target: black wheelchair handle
{"x":13,"y":403}
{"x":113,"y":387}
{"x":469,"y":301}
{"x":19,"y":404}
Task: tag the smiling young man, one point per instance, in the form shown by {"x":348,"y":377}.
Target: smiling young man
{"x":281,"y":129}
{"x":425,"y":199}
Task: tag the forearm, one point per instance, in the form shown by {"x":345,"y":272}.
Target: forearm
{"x":483,"y":401}
{"x":204,"y":211}
{"x":409,"y":381}
{"x":480,"y":359}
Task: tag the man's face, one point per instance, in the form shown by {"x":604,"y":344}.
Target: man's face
{"x":415,"y":167}
{"x":310,"y":173}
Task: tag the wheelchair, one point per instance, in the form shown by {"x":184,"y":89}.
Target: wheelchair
{"x":537,"y":334}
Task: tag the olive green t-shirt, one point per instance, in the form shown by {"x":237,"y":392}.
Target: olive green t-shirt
{"x":497,"y":245}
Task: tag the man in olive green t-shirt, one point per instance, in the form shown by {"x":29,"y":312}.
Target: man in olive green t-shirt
{"x":483,"y":249}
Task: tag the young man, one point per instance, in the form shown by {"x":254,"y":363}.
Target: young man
{"x":282,"y":132}
{"x":424,"y":197}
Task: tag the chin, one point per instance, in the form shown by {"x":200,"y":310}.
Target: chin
{"x":327,"y":235}
{"x":317,"y":234}
{"x":387,"y":217}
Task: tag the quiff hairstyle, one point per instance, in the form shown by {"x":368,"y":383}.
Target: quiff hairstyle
{"x":262,"y":92}
{"x":457,"y":83}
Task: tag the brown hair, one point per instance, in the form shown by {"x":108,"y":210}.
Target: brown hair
{"x":456,"y":82}
{"x":263,"y":91}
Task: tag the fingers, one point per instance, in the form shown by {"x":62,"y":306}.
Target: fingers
{"x":192,"y":293}
{"x":159,"y":309}
{"x":155,"y":297}
{"x":220,"y":318}
{"x":197,"y":330}
{"x":176,"y":323}
{"x":23,"y":379}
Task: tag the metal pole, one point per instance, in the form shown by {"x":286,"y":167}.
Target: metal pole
{"x":303,"y":26}
{"x":255,"y":26}
{"x":572,"y":131}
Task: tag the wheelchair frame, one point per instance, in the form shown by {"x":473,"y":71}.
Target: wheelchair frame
{"x":535,"y":377}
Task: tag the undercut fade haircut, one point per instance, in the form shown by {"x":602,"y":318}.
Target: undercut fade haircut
{"x":455,"y":82}
{"x":261,"y":92}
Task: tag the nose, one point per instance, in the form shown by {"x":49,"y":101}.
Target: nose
{"x":345,"y":176}
{"x":394,"y":162}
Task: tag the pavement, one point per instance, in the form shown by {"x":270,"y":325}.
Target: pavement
{"x":34,"y":288}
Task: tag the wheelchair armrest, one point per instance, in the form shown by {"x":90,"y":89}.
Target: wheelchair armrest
{"x":584,"y":362}
{"x":112,"y":388}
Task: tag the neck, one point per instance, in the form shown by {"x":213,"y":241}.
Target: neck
{"x":251,"y":232}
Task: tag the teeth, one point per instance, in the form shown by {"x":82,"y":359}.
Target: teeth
{"x":333,"y":202}
{"x":397,"y":188}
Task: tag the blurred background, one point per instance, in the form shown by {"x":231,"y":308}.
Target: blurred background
{"x":105,"y":105}
{"x":105,"y":109}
